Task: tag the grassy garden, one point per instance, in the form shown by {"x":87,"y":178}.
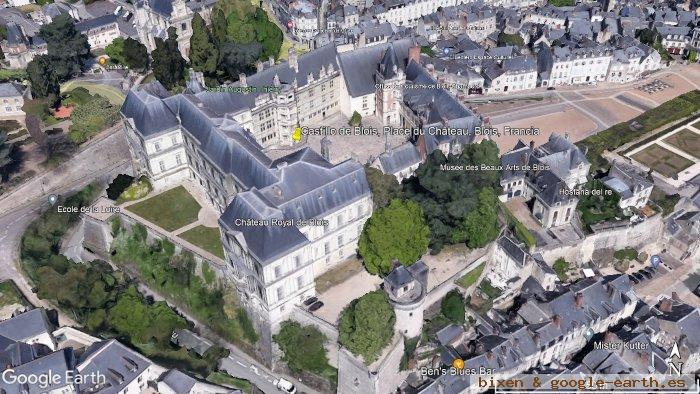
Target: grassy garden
{"x":304,"y":350}
{"x":518,"y":229}
{"x":623,"y":133}
{"x":471,"y":277}
{"x":226,"y":380}
{"x":207,"y":238}
{"x":170,"y":210}
{"x":561,"y":267}
{"x":10,"y":295}
{"x":173,"y":274}
{"x":599,"y":208}
{"x":105,"y":301}
{"x":92,"y":113}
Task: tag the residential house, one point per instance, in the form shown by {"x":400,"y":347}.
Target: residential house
{"x":12,"y":95}
{"x":630,"y":183}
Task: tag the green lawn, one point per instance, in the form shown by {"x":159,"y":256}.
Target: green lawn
{"x":9,"y":295}
{"x":170,"y":210}
{"x":224,"y":379}
{"x":207,"y":238}
{"x":621,"y":133}
{"x":114,"y":95}
{"x":470,"y":277}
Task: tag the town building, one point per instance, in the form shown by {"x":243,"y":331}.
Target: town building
{"x":548,"y":174}
{"x":20,"y":48}
{"x":630,"y":183}
{"x":13,"y":95}
{"x":80,"y":363}
{"x":100,"y":31}
{"x":550,"y":327}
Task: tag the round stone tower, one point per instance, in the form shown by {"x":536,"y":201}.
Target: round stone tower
{"x":407,"y":288}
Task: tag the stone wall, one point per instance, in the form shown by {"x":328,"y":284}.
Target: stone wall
{"x":632,"y":235}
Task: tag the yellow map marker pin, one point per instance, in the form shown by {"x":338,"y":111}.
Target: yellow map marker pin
{"x":102,"y":60}
{"x":296,"y":136}
{"x":458,"y":363}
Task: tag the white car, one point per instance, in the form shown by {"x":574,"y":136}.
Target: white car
{"x":285,"y":385}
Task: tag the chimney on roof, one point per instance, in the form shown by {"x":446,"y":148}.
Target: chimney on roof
{"x":556,"y":319}
{"x":666,"y":306}
{"x":489,"y":355}
{"x":242,"y":79}
{"x":292,"y":59}
{"x":566,"y":135}
{"x":271,"y":60}
{"x":578,"y":300}
{"x":532,"y":144}
{"x":414,"y":54}
{"x":259,"y":66}
{"x":674,"y":296}
{"x":326,"y":148}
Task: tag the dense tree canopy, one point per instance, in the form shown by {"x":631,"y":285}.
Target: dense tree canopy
{"x":238,"y":59}
{"x":204,"y":55}
{"x":367,"y":325}
{"x":396,"y":232}
{"x":135,"y":55}
{"x":68,"y":50}
{"x":168,"y":63}
{"x":384,"y":187}
{"x":5,"y":152}
{"x":481,"y":224}
{"x":115,"y":50}
{"x":447,"y":189}
{"x":43,"y":78}
{"x":303,"y":347}
{"x":452,"y":306}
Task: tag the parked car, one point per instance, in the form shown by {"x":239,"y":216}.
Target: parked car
{"x":310,"y":301}
{"x":633,"y":279}
{"x":316,"y":306}
{"x":285,"y":386}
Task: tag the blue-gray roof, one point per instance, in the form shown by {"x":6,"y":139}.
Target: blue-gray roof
{"x":26,"y":325}
{"x":119,"y":364}
{"x":96,"y":22}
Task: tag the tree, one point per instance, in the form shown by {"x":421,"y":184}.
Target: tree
{"x":481,"y":224}
{"x":68,"y":50}
{"x":219,"y":25}
{"x":384,"y":187}
{"x":646,"y":36}
{"x":367,"y":325}
{"x":396,"y":232}
{"x":135,"y":55}
{"x":693,"y":56}
{"x":115,"y":50}
{"x":40,"y":72}
{"x":452,"y":306}
{"x":238,"y":59}
{"x":5,"y":154}
{"x":57,"y":148}
{"x":355,"y":119}
{"x":168,"y":64}
{"x":303,"y":347}
{"x":446,"y":196}
{"x":204,"y":55}
{"x":510,"y":39}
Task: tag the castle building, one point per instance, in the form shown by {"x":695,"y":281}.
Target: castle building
{"x":283,"y":221}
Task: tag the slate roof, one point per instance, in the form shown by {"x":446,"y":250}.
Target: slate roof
{"x":119,"y":364}
{"x":512,"y":249}
{"x":94,"y":23}
{"x":357,"y":64}
{"x":178,"y":381}
{"x":399,"y":158}
{"x":11,"y":89}
{"x":59,"y":363}
{"x":26,"y":325}
{"x":624,"y":179}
